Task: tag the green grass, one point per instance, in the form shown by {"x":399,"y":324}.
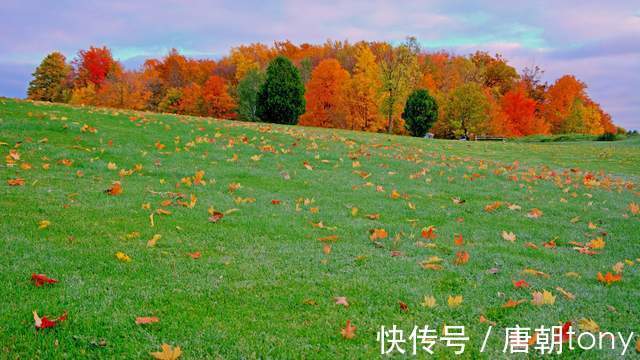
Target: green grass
{"x":245,"y":297}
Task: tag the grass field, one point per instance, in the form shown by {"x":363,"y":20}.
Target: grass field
{"x":296,"y":234}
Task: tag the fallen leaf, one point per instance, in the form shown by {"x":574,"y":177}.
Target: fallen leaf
{"x":484,"y":320}
{"x":597,"y":243}
{"x":349,"y":332}
{"x":509,"y":236}
{"x":167,"y":353}
{"x":609,"y":278}
{"x":195,"y":255}
{"x":462,"y":257}
{"x":146,"y":320}
{"x":115,"y":189}
{"x":588,"y":325}
{"x":521,"y":283}
{"x":123,"y":257}
{"x":618,"y":267}
{"x":429,"y":232}
{"x":152,"y":242}
{"x":403,"y":306}
{"x":429,"y":301}
{"x":341,"y":300}
{"x":377,"y":234}
{"x":41,"y":279}
{"x":543,"y":298}
{"x":565,"y":293}
{"x":513,"y":303}
{"x":43,"y":224}
{"x":454,"y":301}
{"x":216,"y":216}
{"x":44,"y":322}
{"x":534,"y":213}
{"x":15,"y":182}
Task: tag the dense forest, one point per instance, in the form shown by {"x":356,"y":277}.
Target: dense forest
{"x":368,"y":86}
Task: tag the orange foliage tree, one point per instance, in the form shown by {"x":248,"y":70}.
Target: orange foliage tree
{"x":325,"y":105}
{"x":217,"y":101}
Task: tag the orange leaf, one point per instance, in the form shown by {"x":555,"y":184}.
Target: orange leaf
{"x":146,"y":320}
{"x":115,"y":189}
{"x":349,"y":332}
{"x":609,"y":278}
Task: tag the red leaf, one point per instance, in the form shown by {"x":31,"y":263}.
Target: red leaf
{"x":41,"y":279}
{"x":522,"y":283}
{"x":44,"y":322}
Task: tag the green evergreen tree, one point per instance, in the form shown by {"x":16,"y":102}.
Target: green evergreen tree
{"x":420,"y":112}
{"x":281,"y":97}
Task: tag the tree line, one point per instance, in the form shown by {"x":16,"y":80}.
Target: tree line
{"x":367,"y":86}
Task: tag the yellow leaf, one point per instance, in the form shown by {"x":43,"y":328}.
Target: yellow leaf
{"x":167,"y":353}
{"x":597,"y":243}
{"x":454,"y":301}
{"x":43,"y":224}
{"x":565,"y":293}
{"x":535,"y":273}
{"x":152,"y":242}
{"x":543,"y":298}
{"x":123,"y":257}
{"x":588,"y":325}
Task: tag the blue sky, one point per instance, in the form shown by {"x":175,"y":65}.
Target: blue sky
{"x":598,"y":41}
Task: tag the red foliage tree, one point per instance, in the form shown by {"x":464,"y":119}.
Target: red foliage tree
{"x":520,"y":114}
{"x":94,"y":65}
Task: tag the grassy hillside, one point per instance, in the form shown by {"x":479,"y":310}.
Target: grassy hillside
{"x":299,"y":205}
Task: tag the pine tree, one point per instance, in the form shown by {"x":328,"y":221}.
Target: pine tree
{"x":281,"y":98}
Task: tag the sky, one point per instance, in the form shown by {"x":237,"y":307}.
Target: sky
{"x":597,"y":41}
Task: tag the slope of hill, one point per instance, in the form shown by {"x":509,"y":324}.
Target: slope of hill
{"x":239,"y":237}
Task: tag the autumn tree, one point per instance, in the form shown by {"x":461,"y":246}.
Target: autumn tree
{"x":281,"y":98}
{"x":362,"y":94}
{"x":94,"y":65}
{"x":400,"y":74}
{"x":49,"y":79}
{"x":171,"y":101}
{"x":217,"y":101}
{"x":563,"y":102}
{"x":126,"y":90}
{"x":520,"y":114}
{"x":325,"y":105}
{"x":420,"y":112}
{"x":191,"y":101}
{"x":247,"y":92}
{"x":172,"y":70}
{"x":467,"y":111}
{"x":493,"y":72}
